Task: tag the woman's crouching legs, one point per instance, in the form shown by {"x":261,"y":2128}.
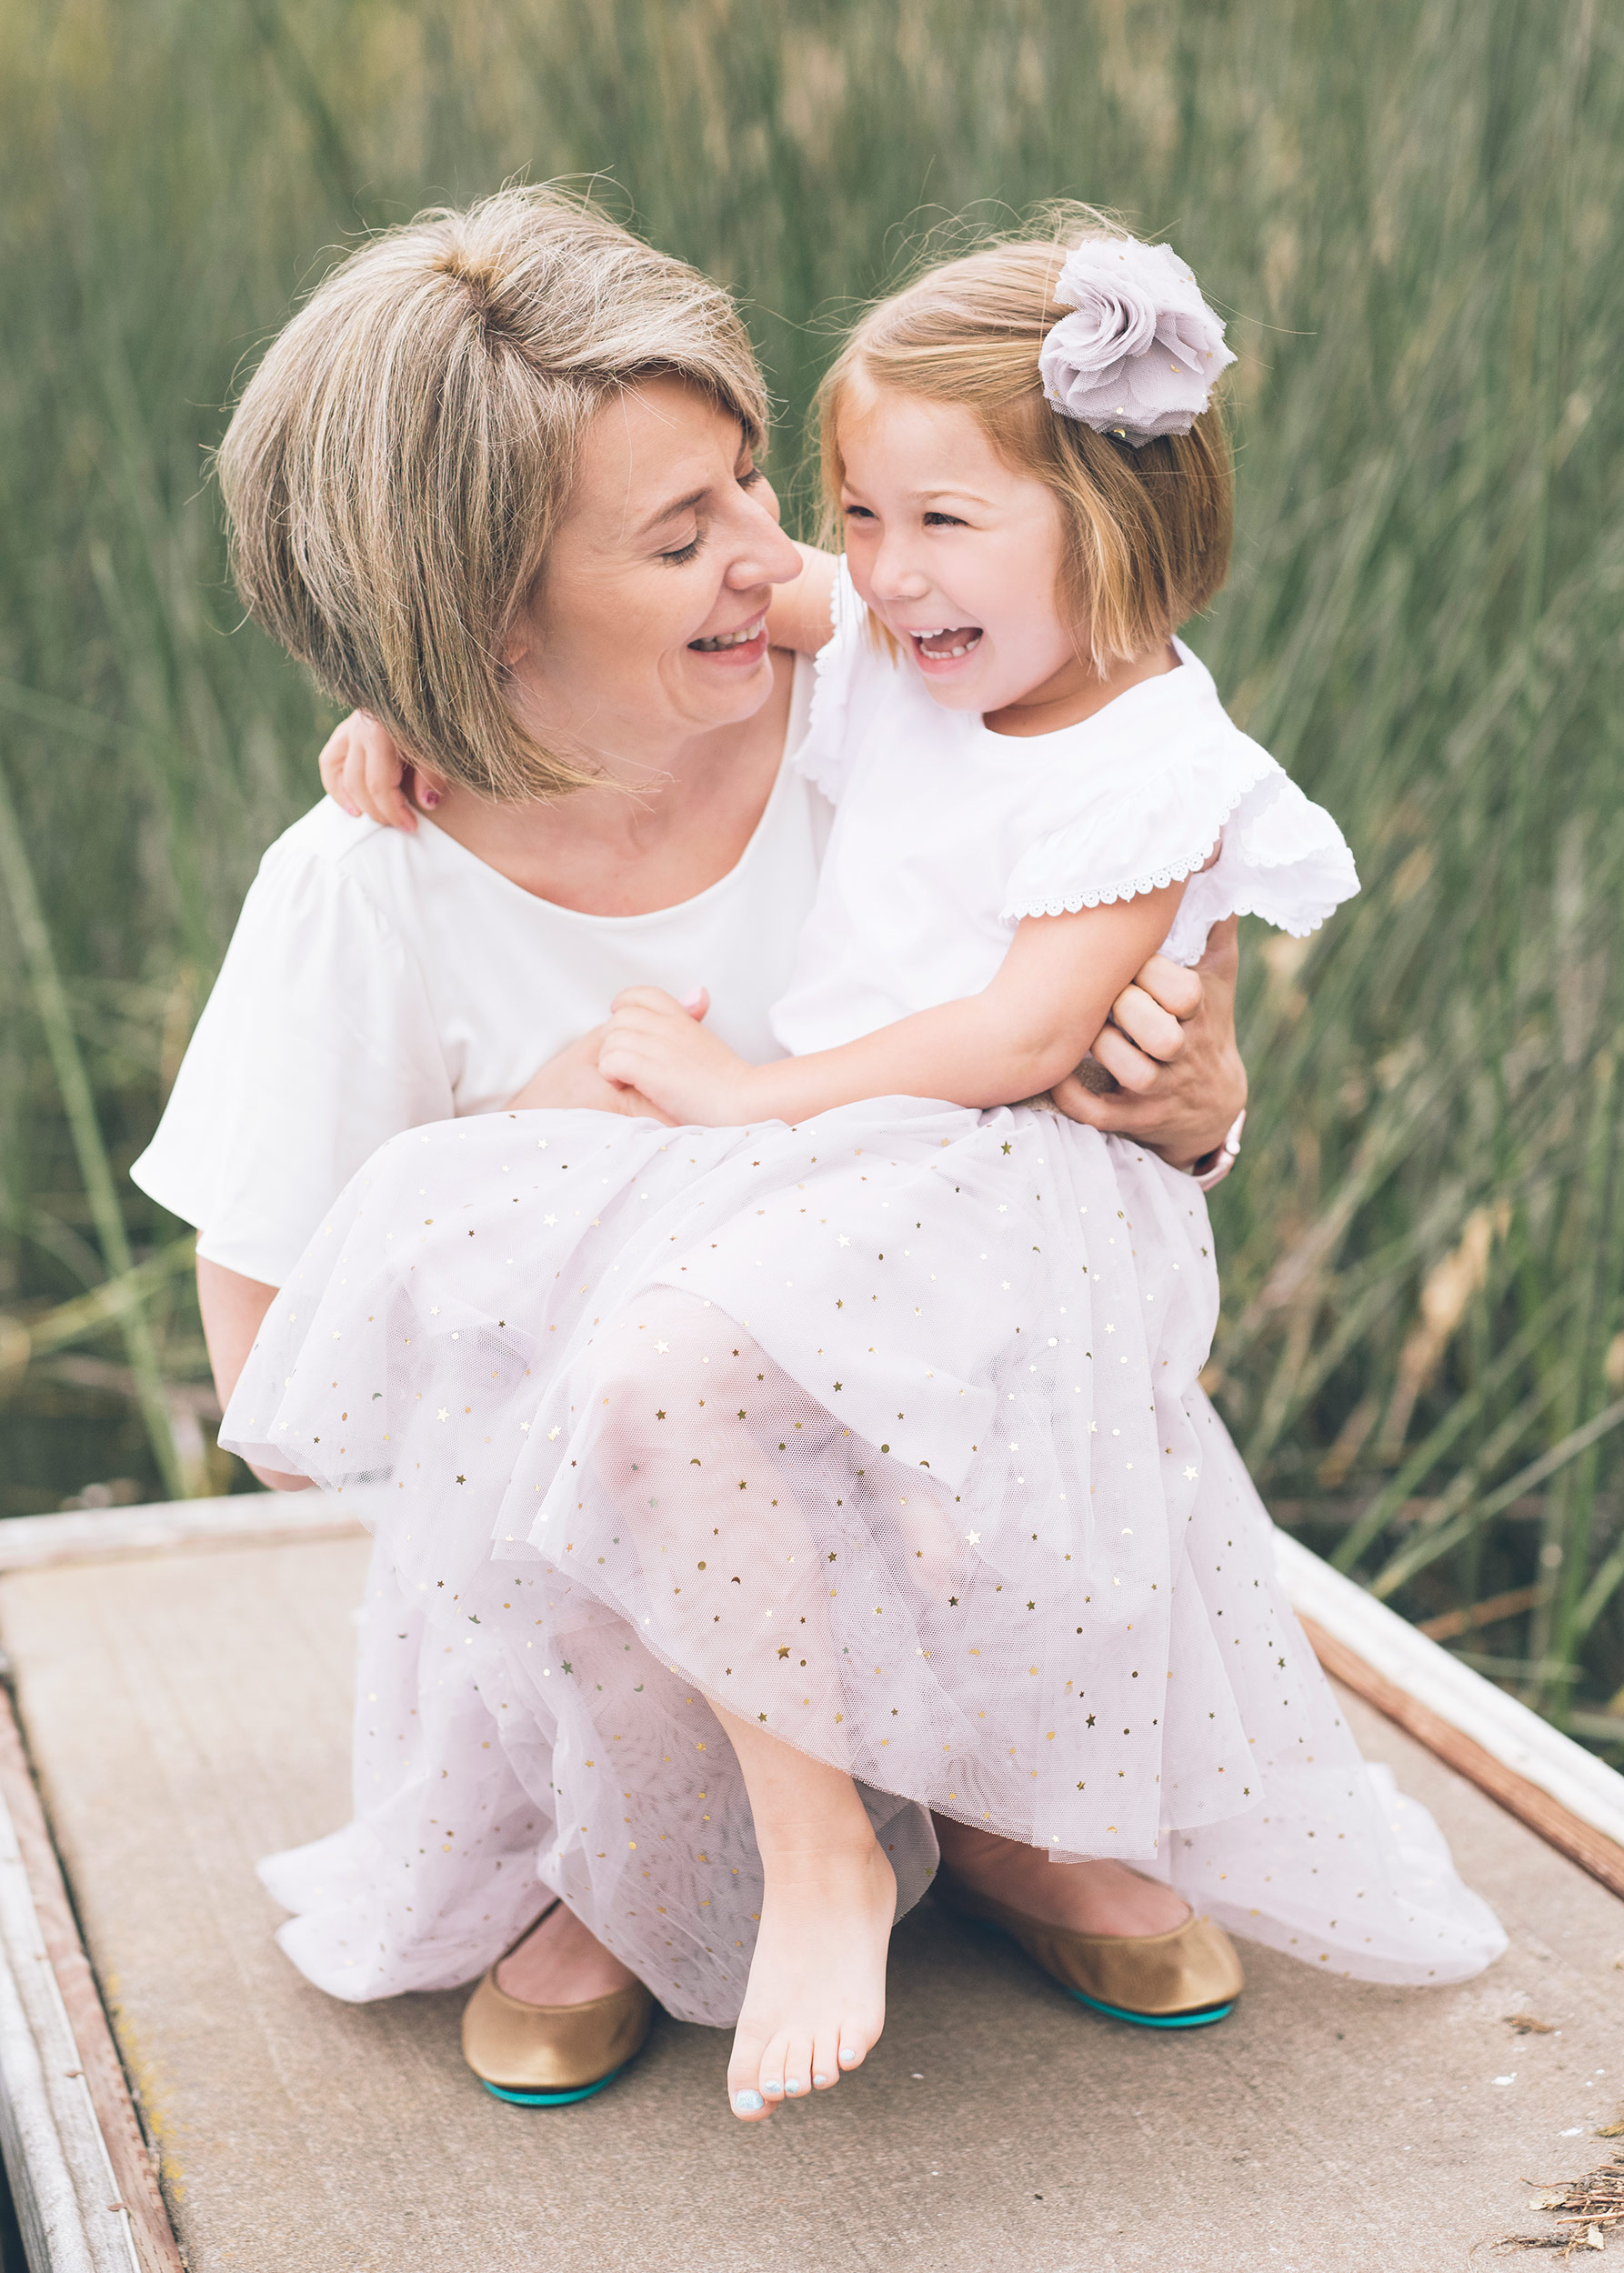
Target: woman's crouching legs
{"x":559,"y":1962}
{"x":1099,"y":1897}
{"x":816,"y":2002}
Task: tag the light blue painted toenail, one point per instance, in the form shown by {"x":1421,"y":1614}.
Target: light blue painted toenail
{"x":792,"y":2088}
{"x":773,"y":2091}
{"x":820,"y":2080}
{"x":747,"y":2102}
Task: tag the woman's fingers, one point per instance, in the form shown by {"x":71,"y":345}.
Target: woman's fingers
{"x":1130,"y":1066}
{"x":1112,"y":1115}
{"x":1169,"y":986}
{"x":1151,"y":1024}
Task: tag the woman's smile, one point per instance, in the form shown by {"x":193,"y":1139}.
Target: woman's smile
{"x":747,"y":645}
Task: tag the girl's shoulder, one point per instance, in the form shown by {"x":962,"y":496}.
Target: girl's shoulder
{"x":1172,"y":791}
{"x":859,"y":675}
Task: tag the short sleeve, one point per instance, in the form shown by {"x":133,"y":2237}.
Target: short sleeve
{"x":316,"y":1046}
{"x":851,"y":668}
{"x":1278,"y":856}
{"x":1283,"y":858}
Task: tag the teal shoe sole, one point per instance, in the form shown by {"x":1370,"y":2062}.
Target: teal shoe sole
{"x":1203,"y":2019}
{"x":1158,"y":2021}
{"x":550,"y":2099}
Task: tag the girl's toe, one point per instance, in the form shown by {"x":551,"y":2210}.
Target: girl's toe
{"x":798,"y":2068}
{"x":826,"y":2061}
{"x":744,"y":2095}
{"x":775,"y":2068}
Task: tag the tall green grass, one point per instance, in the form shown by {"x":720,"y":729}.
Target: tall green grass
{"x":1410,"y":208}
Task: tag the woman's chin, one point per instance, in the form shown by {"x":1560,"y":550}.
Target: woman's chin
{"x":730,"y":684}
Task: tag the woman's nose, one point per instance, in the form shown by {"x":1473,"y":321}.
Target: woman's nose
{"x":766,"y":555}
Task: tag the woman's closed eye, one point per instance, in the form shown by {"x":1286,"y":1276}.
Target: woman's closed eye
{"x":934,"y":520}
{"x":678,"y":554}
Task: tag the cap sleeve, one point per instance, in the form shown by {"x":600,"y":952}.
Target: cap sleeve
{"x":317,"y":1045}
{"x":1283,"y":858}
{"x":848,"y":664}
{"x":1279,"y":856}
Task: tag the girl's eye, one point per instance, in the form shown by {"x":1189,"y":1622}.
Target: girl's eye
{"x":857,"y":513}
{"x":683,"y":552}
{"x":750,"y":477}
{"x":943,"y":521}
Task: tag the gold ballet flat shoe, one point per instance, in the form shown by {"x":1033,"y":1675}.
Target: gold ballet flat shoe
{"x":1187,"y":1978}
{"x":549,"y":2056}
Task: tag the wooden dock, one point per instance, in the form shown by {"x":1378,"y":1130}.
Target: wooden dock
{"x":182,"y":1688}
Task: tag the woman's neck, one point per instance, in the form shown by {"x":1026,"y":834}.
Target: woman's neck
{"x":655,"y":834}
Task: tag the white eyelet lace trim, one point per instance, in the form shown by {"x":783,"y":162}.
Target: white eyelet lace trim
{"x":1157,"y":880}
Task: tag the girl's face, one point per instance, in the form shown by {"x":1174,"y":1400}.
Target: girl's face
{"x":957,"y":554}
{"x":649,"y":624}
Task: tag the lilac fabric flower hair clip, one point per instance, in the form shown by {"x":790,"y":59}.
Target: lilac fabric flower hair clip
{"x":1139,"y":356}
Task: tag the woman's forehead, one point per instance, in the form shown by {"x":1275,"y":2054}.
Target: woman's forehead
{"x":653,"y":448}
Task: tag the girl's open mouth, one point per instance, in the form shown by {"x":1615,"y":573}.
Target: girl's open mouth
{"x":938,"y":651}
{"x":741,"y":645}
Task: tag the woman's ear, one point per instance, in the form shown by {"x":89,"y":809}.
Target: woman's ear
{"x":426,"y":789}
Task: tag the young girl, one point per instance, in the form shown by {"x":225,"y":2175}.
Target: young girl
{"x":854,"y":1418}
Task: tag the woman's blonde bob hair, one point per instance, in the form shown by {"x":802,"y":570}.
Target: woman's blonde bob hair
{"x":1147,"y":530}
{"x":399,"y":462}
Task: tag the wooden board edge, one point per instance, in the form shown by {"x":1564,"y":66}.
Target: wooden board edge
{"x":1591,"y":1849}
{"x":157,"y":2248}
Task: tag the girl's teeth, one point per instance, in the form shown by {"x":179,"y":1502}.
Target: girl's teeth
{"x":945,"y":655}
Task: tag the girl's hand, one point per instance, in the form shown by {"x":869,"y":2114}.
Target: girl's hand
{"x":1177,"y":1076}
{"x":364,"y":772}
{"x":571,"y":1082}
{"x":655,"y":1044}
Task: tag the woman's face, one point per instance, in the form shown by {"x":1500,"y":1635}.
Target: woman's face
{"x":650,"y":622}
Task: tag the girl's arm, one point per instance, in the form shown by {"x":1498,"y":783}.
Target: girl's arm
{"x":366,"y":774}
{"x":1028,"y":1029}
{"x":798,"y":615}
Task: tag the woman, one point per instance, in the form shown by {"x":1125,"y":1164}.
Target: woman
{"x":496,"y":484}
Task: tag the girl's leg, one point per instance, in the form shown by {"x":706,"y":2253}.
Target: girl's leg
{"x":815,"y":2001}
{"x":1101,"y":1898}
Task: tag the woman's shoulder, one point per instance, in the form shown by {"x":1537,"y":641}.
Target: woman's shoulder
{"x":343,"y":867}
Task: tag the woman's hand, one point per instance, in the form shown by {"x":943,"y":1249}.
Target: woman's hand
{"x":364,"y":772}
{"x":572,"y":1082}
{"x":1175,"y":1079}
{"x":657,"y":1046}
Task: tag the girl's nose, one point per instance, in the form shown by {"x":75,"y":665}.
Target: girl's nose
{"x":896,"y":577}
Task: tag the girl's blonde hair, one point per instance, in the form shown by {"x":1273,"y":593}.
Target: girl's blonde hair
{"x":1147,"y":530}
{"x":398,"y":463}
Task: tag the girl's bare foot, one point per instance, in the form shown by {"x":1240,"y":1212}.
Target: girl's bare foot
{"x":1101,"y":1898}
{"x":560,"y":1963}
{"x":817,"y":1997}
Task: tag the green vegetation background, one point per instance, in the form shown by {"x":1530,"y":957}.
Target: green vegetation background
{"x":1410,"y":210}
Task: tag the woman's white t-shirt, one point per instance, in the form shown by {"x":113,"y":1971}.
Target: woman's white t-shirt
{"x":376,"y":981}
